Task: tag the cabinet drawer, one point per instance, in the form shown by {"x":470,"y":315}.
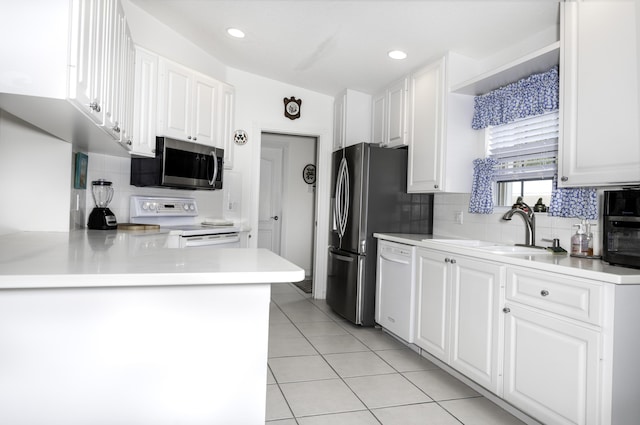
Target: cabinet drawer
{"x":574,"y":298}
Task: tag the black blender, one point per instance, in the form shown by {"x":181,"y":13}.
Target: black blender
{"x":101,"y":217}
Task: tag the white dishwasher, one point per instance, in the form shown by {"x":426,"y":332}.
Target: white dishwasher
{"x":395,"y":289}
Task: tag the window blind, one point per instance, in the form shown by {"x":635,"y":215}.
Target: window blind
{"x":525,"y":149}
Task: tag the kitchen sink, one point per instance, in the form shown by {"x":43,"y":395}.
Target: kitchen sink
{"x":514,"y":249}
{"x":471,"y":243}
{"x":492,"y":247}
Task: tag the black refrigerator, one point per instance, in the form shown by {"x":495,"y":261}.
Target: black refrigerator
{"x":369,"y":195}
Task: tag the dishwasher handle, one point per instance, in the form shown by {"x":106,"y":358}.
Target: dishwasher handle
{"x":396,"y":259}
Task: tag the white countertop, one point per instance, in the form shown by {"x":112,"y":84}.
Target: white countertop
{"x":559,"y":263}
{"x":129,"y":258}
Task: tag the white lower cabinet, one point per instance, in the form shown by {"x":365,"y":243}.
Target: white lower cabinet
{"x":560,"y":348}
{"x":552,"y":345}
{"x":458,"y":313}
{"x":551,"y":367}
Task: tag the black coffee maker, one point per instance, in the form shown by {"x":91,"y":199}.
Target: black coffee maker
{"x":101,"y":217}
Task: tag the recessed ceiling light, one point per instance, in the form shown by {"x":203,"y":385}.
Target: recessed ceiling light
{"x":235,"y":32}
{"x":397,"y":54}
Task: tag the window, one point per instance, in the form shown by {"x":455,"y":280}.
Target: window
{"x":526,"y":151}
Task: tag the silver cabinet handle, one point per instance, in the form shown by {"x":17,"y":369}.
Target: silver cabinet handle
{"x":95,"y":107}
{"x":195,"y":138}
{"x":447,"y":260}
{"x":275,"y":217}
{"x":544,"y":292}
{"x":116,"y":128}
{"x":564,"y":178}
{"x":506,"y":310}
{"x":453,"y":261}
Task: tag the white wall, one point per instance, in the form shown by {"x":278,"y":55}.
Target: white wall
{"x":260,"y":108}
{"x":34,"y":178}
{"x":298,"y":199}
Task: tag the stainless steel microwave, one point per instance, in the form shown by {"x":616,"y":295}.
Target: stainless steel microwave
{"x":179,"y":164}
{"x":621,"y":233}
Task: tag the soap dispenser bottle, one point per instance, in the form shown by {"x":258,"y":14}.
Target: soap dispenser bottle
{"x":589,"y":235}
{"x":579,"y":242}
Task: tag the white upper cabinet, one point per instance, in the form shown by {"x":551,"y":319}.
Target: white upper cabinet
{"x":145,"y":103}
{"x":227,"y":113}
{"x":389,"y":115}
{"x":102,"y":58}
{"x":351,"y":119}
{"x":599,"y":91}
{"x":396,"y":114}
{"x":172,"y":100}
{"x":442,"y":144}
{"x":73,"y":72}
{"x":378,"y":121}
{"x":188,"y":104}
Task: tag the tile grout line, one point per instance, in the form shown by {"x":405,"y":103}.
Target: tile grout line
{"x":396,"y":371}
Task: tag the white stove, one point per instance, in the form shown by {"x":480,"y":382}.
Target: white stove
{"x":179,"y":217}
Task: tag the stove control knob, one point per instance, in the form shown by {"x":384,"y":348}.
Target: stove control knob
{"x":145,"y":206}
{"x":152,"y":206}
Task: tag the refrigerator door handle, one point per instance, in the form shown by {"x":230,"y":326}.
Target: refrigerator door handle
{"x":342,"y":257}
{"x":345,"y":209}
{"x":342,"y":197}
{"x":338,"y":203}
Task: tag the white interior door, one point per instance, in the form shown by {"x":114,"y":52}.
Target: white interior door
{"x":270,"y":205}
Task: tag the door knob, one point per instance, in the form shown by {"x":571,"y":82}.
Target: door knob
{"x":275,"y":217}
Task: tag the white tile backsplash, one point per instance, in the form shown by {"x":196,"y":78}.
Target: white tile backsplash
{"x":491,"y":227}
{"x":117,"y":170}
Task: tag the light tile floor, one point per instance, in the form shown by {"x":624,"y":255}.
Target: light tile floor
{"x":324,"y":370}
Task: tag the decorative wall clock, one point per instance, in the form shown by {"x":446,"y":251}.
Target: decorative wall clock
{"x":292,"y":108}
{"x":309,"y":174}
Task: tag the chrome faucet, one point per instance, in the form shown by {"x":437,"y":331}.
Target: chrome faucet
{"x":529,"y":221}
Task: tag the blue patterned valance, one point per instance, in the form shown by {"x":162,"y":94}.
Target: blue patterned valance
{"x":579,"y":202}
{"x":534,"y":95}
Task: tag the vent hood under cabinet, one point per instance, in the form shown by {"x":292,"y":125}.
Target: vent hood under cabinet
{"x":78,"y":86}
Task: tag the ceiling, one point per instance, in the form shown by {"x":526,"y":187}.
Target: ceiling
{"x":329,"y":45}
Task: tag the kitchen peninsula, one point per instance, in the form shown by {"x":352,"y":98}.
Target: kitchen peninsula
{"x":113,"y":328}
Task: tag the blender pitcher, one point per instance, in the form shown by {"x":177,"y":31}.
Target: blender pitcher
{"x":101,"y":217}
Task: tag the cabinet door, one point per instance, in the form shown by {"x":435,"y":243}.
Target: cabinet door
{"x":397,"y":113}
{"x":227,"y":111}
{"x":146,"y":89}
{"x":378,"y":126}
{"x":113,"y":78}
{"x":426,"y":137}
{"x":339,"y":121}
{"x":551,"y":367}
{"x":127,"y":89}
{"x":432,"y":325}
{"x":476,"y":320}
{"x":599,"y":91}
{"x":205,"y":109}
{"x":86,"y":90}
{"x":174,"y":119}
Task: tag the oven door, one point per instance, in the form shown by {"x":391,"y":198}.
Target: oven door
{"x":222,"y":240}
